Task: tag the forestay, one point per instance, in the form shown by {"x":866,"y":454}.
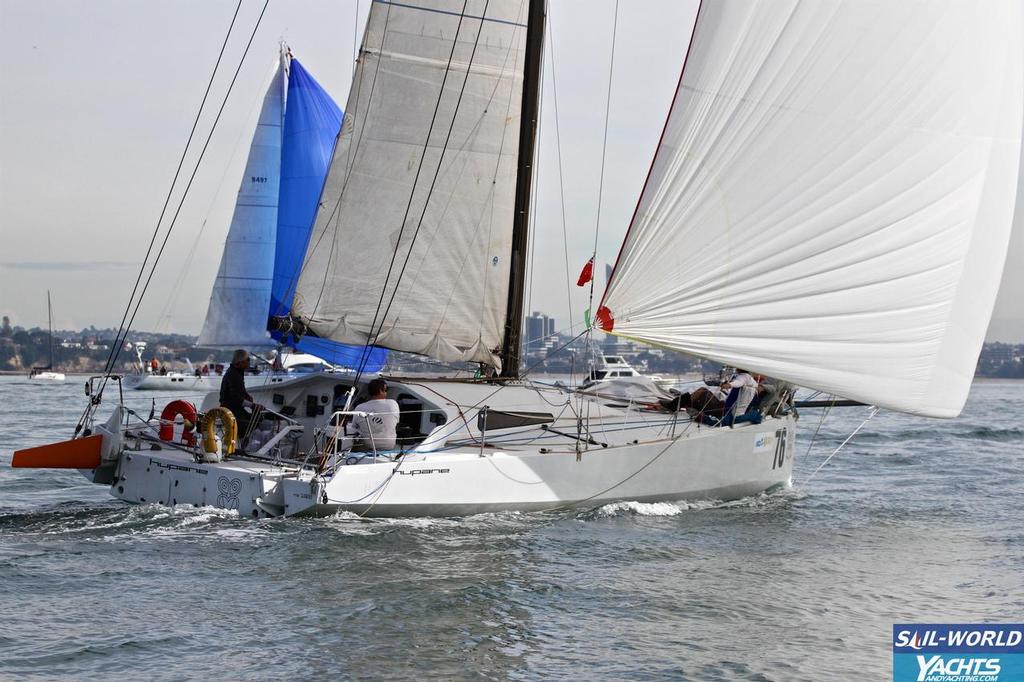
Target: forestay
{"x":832,"y":197}
{"x":237,"y":315}
{"x":410,"y":249}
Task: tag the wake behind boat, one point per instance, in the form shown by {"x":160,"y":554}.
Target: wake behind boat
{"x":809,"y":215}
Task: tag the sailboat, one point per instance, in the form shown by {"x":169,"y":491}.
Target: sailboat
{"x":270,"y":227}
{"x":47,"y":373}
{"x":829,"y":204}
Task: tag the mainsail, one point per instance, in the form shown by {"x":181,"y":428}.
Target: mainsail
{"x":832,"y":196}
{"x":237,"y":314}
{"x":412,"y":240}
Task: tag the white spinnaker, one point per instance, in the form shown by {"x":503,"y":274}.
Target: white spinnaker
{"x":832,"y":198}
{"x":240,"y":300}
{"x":448,"y":300}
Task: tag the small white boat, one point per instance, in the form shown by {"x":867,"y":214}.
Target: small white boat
{"x":609,"y":368}
{"x":47,"y":373}
{"x":208,"y":379}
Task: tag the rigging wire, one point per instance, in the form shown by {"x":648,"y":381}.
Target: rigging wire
{"x":561,"y":181}
{"x":353,"y":151}
{"x":821,"y":420}
{"x":355,"y":39}
{"x":604,"y":141}
{"x":872,"y":413}
{"x":426,"y":201}
{"x":111,"y":357}
{"x":532,"y":223}
{"x":195,"y":171}
{"x":591,"y":362}
{"x":125,"y":328}
{"x":165,"y":314}
{"x":604,"y":150}
{"x":486,"y":216}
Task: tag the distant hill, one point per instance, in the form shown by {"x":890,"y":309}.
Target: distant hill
{"x":87,"y":350}
{"x":1002,"y":360}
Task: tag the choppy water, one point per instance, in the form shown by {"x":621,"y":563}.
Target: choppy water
{"x":917,"y":520}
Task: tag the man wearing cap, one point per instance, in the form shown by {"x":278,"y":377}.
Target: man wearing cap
{"x":233,"y":394}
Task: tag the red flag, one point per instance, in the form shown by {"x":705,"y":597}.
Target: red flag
{"x":605,"y":319}
{"x":587,"y":274}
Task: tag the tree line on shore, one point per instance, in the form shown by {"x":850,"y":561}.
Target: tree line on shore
{"x":87,"y":350}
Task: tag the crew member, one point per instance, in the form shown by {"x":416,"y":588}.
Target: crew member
{"x":746,"y":387}
{"x":379,"y":429}
{"x":233,"y":394}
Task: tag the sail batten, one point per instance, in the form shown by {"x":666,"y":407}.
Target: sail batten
{"x":410,"y":247}
{"x":831,"y":200}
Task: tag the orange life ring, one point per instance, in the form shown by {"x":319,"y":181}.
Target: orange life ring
{"x":188,"y":412}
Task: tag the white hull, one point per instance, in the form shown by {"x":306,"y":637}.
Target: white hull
{"x":48,"y":376}
{"x":714,"y":464}
{"x":201,"y":384}
{"x":171,"y":382}
{"x":718,"y":464}
{"x":627,"y":454}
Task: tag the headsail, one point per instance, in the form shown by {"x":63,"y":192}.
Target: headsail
{"x":832,"y":197}
{"x":411,"y":244}
{"x":311,"y":124}
{"x":237,"y":315}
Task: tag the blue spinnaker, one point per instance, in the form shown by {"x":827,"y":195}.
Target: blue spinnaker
{"x":311,"y":124}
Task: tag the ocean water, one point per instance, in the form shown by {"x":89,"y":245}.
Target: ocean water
{"x":914,"y":521}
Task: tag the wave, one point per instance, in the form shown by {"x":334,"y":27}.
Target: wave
{"x":762,"y":500}
{"x":982,"y":433}
{"x":115,"y":520}
{"x":992,"y":434}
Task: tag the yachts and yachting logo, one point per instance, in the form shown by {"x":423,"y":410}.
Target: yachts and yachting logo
{"x":958,"y":653}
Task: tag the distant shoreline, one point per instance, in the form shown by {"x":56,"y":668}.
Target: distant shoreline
{"x":14,"y":373}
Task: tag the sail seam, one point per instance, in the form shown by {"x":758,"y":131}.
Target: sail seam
{"x":433,"y":10}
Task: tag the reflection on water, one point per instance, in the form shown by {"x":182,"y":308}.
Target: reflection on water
{"x":915,"y":521}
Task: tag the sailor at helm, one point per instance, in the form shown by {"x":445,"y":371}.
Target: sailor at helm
{"x":233,"y":394}
{"x":378,"y":430}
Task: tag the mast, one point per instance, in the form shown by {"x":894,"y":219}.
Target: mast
{"x":511,"y":345}
{"x":49,"y":325}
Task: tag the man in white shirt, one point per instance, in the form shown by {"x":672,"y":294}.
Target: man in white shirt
{"x":747,"y":386}
{"x":378,"y":429}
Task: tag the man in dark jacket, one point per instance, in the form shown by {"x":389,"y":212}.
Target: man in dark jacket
{"x":233,"y":394}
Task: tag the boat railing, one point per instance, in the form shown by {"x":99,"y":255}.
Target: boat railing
{"x":339,"y":442}
{"x":96,"y":396}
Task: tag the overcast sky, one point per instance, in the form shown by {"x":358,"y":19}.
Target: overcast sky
{"x":96,"y":100}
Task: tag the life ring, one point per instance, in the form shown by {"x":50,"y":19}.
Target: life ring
{"x":227,"y":422}
{"x":187,"y":411}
